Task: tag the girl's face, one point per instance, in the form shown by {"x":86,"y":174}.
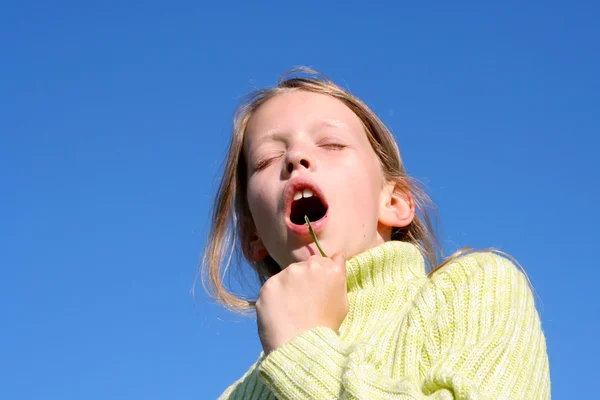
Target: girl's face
{"x":308,"y":154}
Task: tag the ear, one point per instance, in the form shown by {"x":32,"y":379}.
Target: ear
{"x":252,"y":246}
{"x":256,"y":250}
{"x":397,"y":208}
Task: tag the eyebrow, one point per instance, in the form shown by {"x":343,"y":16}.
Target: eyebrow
{"x":279,"y":136}
{"x":332,"y":123}
{"x":274,"y":136}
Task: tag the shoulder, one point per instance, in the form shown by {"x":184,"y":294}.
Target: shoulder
{"x":488,"y":266}
{"x":484,"y":277}
{"x":484,"y":290}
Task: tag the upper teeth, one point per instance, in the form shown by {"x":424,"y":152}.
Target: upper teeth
{"x":303,"y":193}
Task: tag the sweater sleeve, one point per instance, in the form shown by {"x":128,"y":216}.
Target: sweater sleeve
{"x":248,"y":386}
{"x":473,"y":326}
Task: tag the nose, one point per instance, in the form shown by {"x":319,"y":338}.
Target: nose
{"x":298,"y":159}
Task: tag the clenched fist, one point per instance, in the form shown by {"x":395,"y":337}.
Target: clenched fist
{"x":303,"y":296}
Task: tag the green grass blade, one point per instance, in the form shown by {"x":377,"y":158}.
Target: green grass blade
{"x":312,"y":233}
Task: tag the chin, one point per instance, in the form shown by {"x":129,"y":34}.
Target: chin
{"x":303,"y":253}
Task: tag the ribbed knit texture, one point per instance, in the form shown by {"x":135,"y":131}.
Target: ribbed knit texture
{"x":471,"y":331}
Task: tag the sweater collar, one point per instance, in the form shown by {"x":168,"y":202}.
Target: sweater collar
{"x":389,"y":263}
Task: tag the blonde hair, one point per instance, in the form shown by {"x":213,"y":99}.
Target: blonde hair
{"x":232,"y":223}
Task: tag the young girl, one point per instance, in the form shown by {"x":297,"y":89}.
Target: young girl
{"x":367,"y":322}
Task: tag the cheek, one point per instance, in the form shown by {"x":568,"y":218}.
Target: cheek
{"x":261,"y":201}
{"x":361,"y":188}
{"x":256,"y":200}
{"x":357,"y":191}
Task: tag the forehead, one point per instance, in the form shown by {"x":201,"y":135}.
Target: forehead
{"x":300,"y":110}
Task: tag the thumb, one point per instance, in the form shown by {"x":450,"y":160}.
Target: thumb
{"x":339,"y":258}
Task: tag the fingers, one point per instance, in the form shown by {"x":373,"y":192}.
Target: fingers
{"x":339,"y":259}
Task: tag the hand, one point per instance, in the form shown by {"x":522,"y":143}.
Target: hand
{"x":303,"y":296}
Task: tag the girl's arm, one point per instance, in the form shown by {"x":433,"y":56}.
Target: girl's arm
{"x":474,"y":327}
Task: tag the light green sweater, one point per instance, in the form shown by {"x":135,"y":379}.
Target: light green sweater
{"x":471,"y":331}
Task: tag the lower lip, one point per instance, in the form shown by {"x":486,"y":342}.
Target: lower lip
{"x":302,"y":230}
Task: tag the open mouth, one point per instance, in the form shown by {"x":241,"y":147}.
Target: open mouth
{"x":306,"y":203}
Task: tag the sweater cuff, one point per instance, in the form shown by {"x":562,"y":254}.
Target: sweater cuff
{"x":309,"y":365}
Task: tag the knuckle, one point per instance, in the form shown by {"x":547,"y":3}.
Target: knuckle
{"x":337,"y":269}
{"x":294,"y":269}
{"x":268,"y":283}
{"x":266,"y":288}
{"x":316,"y":258}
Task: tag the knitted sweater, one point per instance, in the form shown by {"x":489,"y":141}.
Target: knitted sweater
{"x":471,"y":331}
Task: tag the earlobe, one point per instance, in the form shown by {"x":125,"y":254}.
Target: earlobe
{"x":397,"y":208}
{"x":252,"y":246}
{"x":256,"y":250}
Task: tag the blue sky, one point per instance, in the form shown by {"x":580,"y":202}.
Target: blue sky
{"x":114,"y":121}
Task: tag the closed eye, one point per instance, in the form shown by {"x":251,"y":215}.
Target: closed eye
{"x":265,"y":162}
{"x":333,"y":146}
